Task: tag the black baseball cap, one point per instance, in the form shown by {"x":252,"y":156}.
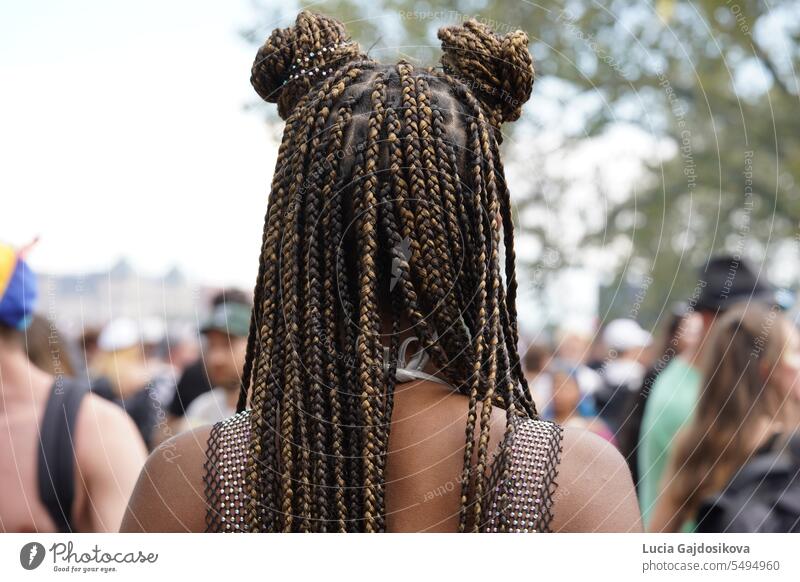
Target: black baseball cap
{"x":726,"y":280}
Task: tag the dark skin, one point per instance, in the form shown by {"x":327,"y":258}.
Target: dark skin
{"x":595,"y":492}
{"x":423,"y":469}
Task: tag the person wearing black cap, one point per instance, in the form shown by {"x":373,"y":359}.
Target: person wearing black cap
{"x":723,"y":282}
{"x":225,"y":333}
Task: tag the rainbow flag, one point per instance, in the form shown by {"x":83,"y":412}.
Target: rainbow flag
{"x":18,"y":291}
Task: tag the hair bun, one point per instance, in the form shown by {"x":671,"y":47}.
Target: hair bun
{"x":498,"y":69}
{"x":293,"y":59}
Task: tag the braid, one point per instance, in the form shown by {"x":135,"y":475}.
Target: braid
{"x":494,"y":331}
{"x":253,"y":335}
{"x":332,"y":372}
{"x":509,"y":304}
{"x":263,"y":428}
{"x":347,"y":377}
{"x":476,"y":386}
{"x":399,"y":165}
{"x":313,"y":250}
{"x":451,"y":316}
{"x":271,"y":390}
{"x":375,"y":160}
{"x":368,"y":353}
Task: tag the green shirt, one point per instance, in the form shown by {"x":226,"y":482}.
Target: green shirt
{"x":668,"y":408}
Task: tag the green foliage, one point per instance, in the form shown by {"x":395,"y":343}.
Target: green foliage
{"x":710,"y":82}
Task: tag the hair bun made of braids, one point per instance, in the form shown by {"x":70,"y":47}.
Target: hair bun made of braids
{"x":498,"y":69}
{"x":293,"y":59}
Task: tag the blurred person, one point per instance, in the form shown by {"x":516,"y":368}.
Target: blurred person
{"x":123,"y":374}
{"x":87,"y":344}
{"x":597,"y":353}
{"x":181,"y":349}
{"x":547,"y":386}
{"x":570,"y":406}
{"x":679,"y":333}
{"x":68,"y":459}
{"x":48,"y":349}
{"x":535,"y":363}
{"x":336,"y":428}
{"x":574,"y":346}
{"x":736,"y":465}
{"x":224,"y":351}
{"x":722,"y":282}
{"x":178,"y":351}
{"x":195,"y":381}
{"x":153,"y":334}
{"x":623,"y":370}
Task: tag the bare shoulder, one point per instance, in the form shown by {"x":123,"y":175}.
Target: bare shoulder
{"x":97,"y":414}
{"x":170,"y":493}
{"x":595,"y":490}
{"x":104,"y":431}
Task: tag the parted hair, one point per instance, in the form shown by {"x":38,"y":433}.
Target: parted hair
{"x":383,"y":210}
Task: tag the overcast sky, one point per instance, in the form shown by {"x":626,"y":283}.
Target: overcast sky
{"x":123,"y":132}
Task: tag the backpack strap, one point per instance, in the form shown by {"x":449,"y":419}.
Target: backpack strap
{"x":56,"y":460}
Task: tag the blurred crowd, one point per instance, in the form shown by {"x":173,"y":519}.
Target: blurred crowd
{"x":137,"y":382}
{"x":705,"y":411}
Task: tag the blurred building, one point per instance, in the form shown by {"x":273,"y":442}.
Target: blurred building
{"x":79,"y":302}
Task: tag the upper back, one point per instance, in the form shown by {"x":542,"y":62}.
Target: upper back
{"x":20,"y":507}
{"x":674,"y":394}
{"x":58,"y":442}
{"x":668,"y":408}
{"x":423,"y":468}
{"x":560,"y":479}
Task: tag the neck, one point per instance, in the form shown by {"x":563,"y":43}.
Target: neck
{"x":19,"y":378}
{"x":694,"y":355}
{"x":231,"y":395}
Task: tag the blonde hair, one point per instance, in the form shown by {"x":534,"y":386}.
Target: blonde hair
{"x":736,"y":398}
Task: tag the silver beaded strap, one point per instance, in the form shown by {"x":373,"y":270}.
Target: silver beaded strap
{"x":305,"y":65}
{"x":524,"y":502}
{"x":226,"y":458}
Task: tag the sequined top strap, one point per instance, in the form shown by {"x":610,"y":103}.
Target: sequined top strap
{"x":523,"y":502}
{"x":226,"y":457}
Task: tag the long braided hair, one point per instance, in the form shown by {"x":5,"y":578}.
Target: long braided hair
{"x":383,"y":207}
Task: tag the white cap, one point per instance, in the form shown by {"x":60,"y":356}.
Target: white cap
{"x":119,"y":334}
{"x":622,"y":335}
{"x":154,"y":330}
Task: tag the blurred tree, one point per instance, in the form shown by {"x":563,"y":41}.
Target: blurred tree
{"x":702,"y":95}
